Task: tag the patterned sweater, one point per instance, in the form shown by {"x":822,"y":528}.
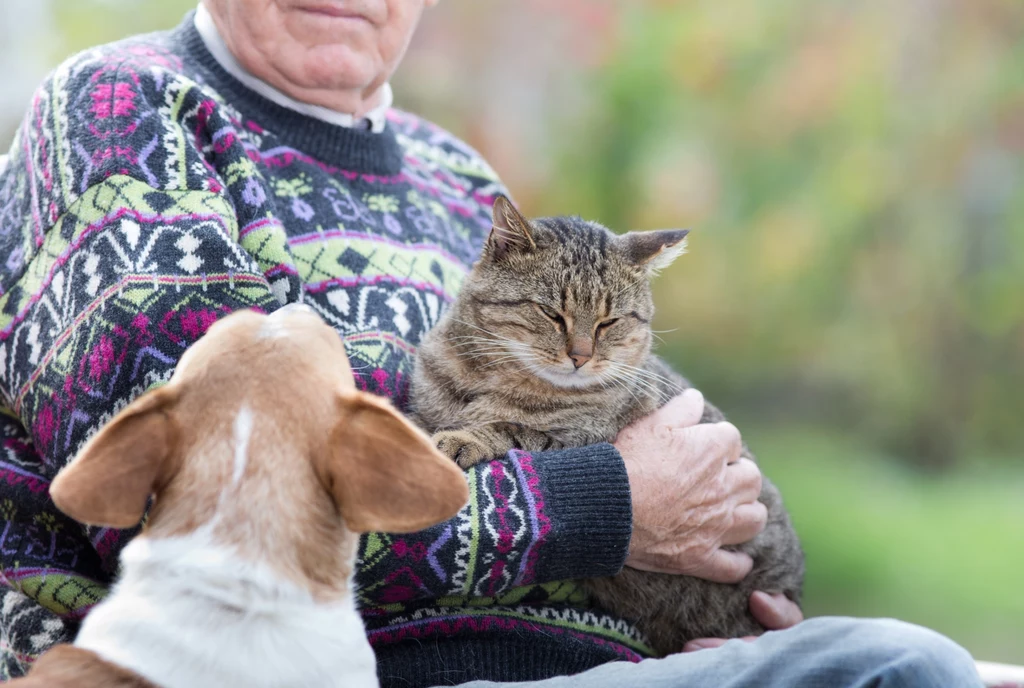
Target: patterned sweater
{"x":147,"y":194}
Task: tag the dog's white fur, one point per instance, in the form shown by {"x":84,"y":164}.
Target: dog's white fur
{"x":243,"y":433}
{"x":189,"y":613}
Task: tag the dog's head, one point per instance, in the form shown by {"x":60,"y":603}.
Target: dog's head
{"x":262,"y":438}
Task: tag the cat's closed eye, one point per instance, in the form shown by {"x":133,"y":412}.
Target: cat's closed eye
{"x":552,"y":316}
{"x":602,"y":326}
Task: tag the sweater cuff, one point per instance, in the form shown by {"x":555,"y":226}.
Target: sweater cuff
{"x":586,"y":496}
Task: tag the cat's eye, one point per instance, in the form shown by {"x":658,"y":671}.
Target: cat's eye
{"x":602,"y":326}
{"x":552,"y":315}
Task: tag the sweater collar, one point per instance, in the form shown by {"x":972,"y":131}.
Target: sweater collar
{"x":349,"y":148}
{"x":375,"y":119}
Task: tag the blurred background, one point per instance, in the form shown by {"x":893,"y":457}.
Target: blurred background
{"x":853,"y":298}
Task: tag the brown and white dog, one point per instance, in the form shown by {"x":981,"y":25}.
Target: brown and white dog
{"x":266,"y":463}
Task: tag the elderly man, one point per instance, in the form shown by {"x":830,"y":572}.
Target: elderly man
{"x":251,"y":158}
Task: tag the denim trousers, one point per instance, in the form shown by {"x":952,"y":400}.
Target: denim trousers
{"x":824,"y":652}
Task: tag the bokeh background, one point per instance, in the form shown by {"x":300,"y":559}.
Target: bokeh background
{"x":854,"y":294}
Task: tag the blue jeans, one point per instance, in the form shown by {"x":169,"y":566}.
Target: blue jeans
{"x":825,"y":652}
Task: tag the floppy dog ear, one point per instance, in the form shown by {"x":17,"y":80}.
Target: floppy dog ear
{"x":385,"y":474}
{"x":67,"y":666}
{"x":112,"y":477}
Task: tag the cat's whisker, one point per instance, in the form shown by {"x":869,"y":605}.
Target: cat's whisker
{"x":476,"y":338}
{"x":475,"y":327}
{"x":533,"y":370}
{"x":526,"y":357}
{"x":496,"y":346}
{"x":500,"y":347}
{"x":471,"y":339}
{"x":492,"y":339}
{"x":643,"y":372}
{"x":614,"y":380}
{"x":633,"y":376}
{"x":648,"y":386}
{"x":623,"y":384}
{"x":496,"y":358}
{"x":500,"y":361}
{"x":482,"y":354}
{"x":635,"y":381}
{"x":477,"y":341}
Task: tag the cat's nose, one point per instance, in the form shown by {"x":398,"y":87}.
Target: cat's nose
{"x":579,"y":360}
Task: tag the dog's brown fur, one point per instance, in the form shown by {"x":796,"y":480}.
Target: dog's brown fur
{"x":66,"y":666}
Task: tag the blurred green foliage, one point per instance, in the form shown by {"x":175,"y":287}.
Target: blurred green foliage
{"x":858,"y":253}
{"x":82,"y":24}
{"x":854,"y":294}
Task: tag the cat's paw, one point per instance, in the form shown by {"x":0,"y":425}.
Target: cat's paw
{"x":462,"y":448}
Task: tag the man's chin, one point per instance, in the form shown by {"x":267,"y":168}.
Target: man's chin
{"x":327,"y":70}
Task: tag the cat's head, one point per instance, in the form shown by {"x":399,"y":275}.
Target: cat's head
{"x":563,"y":299}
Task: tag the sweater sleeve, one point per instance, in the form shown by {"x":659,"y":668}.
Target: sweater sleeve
{"x":532,"y":519}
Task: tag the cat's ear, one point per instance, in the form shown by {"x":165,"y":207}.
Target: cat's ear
{"x":656,"y":250}
{"x":511,"y":231}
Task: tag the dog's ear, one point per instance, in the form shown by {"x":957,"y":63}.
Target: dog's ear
{"x":112,"y":477}
{"x":384,"y":473}
{"x":67,"y":666}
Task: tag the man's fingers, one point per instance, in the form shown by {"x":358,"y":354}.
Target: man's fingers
{"x":725,"y":567}
{"x":703,"y":644}
{"x":722,"y":441}
{"x":708,"y":643}
{"x":744,"y":478}
{"x":748,"y":522}
{"x":684,"y":410}
{"x":775,"y":612}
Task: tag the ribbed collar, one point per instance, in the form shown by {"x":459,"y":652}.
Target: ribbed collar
{"x":357,"y":150}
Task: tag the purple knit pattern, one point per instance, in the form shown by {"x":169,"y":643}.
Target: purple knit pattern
{"x":137,"y":208}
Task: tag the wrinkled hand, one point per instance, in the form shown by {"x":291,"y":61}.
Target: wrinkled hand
{"x":774,"y":612}
{"x":692,"y":493}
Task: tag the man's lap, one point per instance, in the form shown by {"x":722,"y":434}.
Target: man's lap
{"x":825,"y":652}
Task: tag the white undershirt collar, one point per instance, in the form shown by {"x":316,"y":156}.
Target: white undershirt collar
{"x":219,"y":49}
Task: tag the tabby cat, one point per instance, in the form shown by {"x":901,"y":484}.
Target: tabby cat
{"x":549,"y":346}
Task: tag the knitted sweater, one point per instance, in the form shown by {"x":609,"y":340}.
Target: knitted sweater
{"x":149,"y":193}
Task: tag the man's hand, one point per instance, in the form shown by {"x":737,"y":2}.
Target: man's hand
{"x":692,"y":493}
{"x":774,"y":612}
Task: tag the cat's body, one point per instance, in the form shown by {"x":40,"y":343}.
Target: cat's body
{"x":502,"y":370}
